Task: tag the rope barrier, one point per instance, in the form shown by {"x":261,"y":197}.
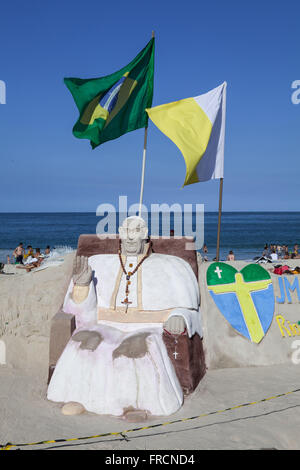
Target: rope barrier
{"x":9,"y":445}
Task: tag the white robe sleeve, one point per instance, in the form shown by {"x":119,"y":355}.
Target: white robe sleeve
{"x":192,"y":320}
{"x":85,"y":312}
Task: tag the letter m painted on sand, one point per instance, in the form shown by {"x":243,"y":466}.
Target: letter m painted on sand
{"x":291,"y":287}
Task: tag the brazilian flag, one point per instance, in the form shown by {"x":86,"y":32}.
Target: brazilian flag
{"x":115,"y":104}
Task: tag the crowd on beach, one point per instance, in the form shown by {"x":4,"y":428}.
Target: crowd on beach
{"x":270,"y":252}
{"x":32,"y":259}
{"x":276,"y":252}
{"x":28,"y":259}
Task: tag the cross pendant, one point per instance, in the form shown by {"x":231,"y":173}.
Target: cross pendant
{"x":126,"y":302}
{"x":175,"y":354}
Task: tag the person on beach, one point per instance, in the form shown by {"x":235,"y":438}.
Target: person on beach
{"x":286,"y":253}
{"x":33,"y":264}
{"x":272,"y":250}
{"x":29,"y":252}
{"x":38,"y":254}
{"x":274,"y":255}
{"x":34,"y":261}
{"x":266,"y":250}
{"x":230,"y":256}
{"x":279,"y":251}
{"x":18,"y":254}
{"x":47,"y":250}
{"x":205,"y":251}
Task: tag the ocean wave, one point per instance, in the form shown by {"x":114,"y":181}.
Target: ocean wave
{"x":60,"y":250}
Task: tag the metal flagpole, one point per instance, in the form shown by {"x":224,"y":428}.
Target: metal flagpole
{"x":143,"y":170}
{"x":144,"y":164}
{"x":219,"y":218}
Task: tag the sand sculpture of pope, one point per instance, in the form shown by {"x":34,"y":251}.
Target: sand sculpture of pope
{"x":116,"y":360}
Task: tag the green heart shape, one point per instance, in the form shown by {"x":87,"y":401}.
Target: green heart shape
{"x":245,"y":298}
{"x":222,"y":273}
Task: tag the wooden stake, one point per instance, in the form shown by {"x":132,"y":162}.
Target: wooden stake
{"x":219,"y":218}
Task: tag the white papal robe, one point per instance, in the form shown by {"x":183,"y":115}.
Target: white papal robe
{"x":163,"y":286}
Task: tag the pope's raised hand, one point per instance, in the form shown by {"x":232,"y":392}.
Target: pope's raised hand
{"x":82,"y":272}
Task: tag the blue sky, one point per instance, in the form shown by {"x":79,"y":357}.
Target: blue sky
{"x":254,"y":46}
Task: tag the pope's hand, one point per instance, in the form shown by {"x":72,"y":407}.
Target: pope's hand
{"x":82,"y":272}
{"x":175,"y":325}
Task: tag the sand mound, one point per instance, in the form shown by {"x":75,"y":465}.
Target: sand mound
{"x":28,"y":303}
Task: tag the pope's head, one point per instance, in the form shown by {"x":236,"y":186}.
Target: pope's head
{"x":133,"y":234}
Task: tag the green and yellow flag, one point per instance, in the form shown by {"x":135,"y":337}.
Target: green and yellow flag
{"x":115,"y":104}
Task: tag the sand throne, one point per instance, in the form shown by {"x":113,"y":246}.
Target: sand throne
{"x":190,"y":363}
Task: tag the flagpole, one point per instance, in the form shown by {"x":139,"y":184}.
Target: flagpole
{"x":219,"y":218}
{"x":144,"y":164}
{"x":143,"y":170}
{"x":221,"y":182}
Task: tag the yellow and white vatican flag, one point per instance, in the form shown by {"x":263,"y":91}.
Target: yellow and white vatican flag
{"x":197,"y":126}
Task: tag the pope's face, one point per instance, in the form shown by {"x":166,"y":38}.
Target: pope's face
{"x":133,"y":234}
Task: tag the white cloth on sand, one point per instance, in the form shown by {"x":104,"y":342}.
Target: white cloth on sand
{"x":104,"y":385}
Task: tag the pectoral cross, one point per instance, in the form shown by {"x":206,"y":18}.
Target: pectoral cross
{"x":175,"y":354}
{"x":126,"y":302}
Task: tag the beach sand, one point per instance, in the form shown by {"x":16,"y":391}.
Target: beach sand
{"x":28,"y":303}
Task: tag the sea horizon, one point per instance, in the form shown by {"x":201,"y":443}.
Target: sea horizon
{"x":243,"y":232}
{"x":207,"y":212}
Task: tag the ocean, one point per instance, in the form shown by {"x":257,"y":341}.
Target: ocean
{"x":245,"y":233}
